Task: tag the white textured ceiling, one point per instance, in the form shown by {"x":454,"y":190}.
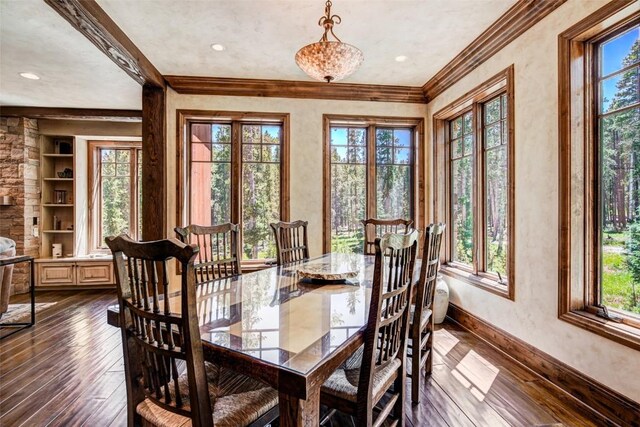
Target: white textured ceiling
{"x":73,"y":72}
{"x":262,"y":36}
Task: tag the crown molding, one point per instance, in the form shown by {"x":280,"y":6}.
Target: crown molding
{"x":294,"y":89}
{"x":513,"y":23}
{"x":72,"y":113}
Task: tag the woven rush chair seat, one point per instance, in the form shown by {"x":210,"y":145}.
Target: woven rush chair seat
{"x":426,"y":316}
{"x":343,"y":383}
{"x":236,"y":400}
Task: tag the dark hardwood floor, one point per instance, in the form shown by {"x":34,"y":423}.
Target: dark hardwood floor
{"x":68,"y":371}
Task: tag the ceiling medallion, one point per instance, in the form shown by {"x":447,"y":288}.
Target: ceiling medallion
{"x":327,"y":60}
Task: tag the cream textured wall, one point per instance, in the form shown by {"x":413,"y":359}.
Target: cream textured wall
{"x":533,"y":317}
{"x":305,"y":144}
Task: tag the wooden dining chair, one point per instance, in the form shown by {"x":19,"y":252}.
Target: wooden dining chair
{"x":291,"y":241}
{"x":219,"y":254}
{"x":358,"y":386}
{"x":374,"y":228}
{"x":168,"y":382}
{"x":421,"y":330}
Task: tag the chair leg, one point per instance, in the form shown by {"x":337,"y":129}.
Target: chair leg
{"x":399,"y":386}
{"x":429,"y":362}
{"x":416,"y":378}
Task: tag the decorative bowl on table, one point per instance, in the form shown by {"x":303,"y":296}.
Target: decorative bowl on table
{"x":327,"y":272}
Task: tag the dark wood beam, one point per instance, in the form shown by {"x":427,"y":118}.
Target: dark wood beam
{"x":94,"y":23}
{"x":513,"y":23}
{"x":294,"y":89}
{"x":72,"y":113}
{"x":154,"y":191}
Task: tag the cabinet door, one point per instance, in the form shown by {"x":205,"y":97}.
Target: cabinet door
{"x":93,"y":273}
{"x":54,"y":274}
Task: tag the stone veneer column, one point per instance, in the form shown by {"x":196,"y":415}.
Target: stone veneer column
{"x":19,"y":168}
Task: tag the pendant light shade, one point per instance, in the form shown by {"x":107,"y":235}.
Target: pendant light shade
{"x":327,"y":60}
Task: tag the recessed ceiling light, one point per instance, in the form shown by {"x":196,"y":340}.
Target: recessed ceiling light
{"x":30,"y":76}
{"x":401,"y":58}
{"x":217,"y":47}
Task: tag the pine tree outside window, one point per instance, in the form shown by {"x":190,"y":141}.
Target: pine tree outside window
{"x":599,"y":132}
{"x":235,"y":172}
{"x":371,"y":172}
{"x":115,"y":193}
{"x":474,"y":180}
{"x":617,"y":158}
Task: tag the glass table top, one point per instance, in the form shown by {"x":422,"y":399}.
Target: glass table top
{"x":275,"y":316}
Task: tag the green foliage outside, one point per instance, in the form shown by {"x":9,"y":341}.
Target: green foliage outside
{"x":349,"y":182}
{"x":620,"y":181}
{"x":116,"y":190}
{"x":260,"y":189}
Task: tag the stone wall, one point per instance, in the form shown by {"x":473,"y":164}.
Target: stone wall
{"x":19,"y":168}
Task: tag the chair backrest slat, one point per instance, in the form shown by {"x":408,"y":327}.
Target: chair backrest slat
{"x":387,"y":327}
{"x":428,"y":270}
{"x":158,"y":344}
{"x":375,"y":228}
{"x":291,"y":241}
{"x":219,"y":255}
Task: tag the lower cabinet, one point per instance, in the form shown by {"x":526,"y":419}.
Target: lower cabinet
{"x":90,"y":273}
{"x":56,"y":274}
{"x":74,"y":273}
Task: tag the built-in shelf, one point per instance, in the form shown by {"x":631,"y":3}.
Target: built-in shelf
{"x":57,"y":231}
{"x":59,"y":179}
{"x":57,"y":155}
{"x":58,"y":205}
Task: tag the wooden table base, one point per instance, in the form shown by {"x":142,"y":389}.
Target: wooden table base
{"x":299,"y":412}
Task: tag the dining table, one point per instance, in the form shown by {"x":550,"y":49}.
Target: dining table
{"x":284,"y":329}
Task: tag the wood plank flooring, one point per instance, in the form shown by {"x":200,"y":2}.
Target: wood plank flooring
{"x":68,"y":371}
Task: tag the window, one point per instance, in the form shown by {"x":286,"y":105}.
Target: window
{"x":235,"y":167}
{"x":618,"y":176}
{"x":600,"y":143}
{"x":115,"y":190}
{"x":474,"y":183}
{"x":371,"y":171}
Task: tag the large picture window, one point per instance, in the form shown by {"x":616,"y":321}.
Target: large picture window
{"x":371,"y":171}
{"x":474,"y":178}
{"x":617,"y":159}
{"x":115,"y":191}
{"x":600,"y":177}
{"x":235,"y":170}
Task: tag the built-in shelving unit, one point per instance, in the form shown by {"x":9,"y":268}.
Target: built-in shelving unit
{"x":75,"y":268}
{"x":58,"y":195}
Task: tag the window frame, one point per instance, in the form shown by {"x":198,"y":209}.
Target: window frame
{"x":236,"y":119}
{"x":474,"y":101}
{"x":95,"y":189}
{"x":371,"y":124}
{"x":579,"y":251}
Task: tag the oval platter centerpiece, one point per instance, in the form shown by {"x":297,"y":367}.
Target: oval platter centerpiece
{"x":327,"y":272}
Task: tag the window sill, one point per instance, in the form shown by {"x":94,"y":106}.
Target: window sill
{"x":619,"y":332}
{"x":486,"y":283}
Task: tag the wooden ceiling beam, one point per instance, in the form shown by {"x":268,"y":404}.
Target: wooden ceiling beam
{"x":512,"y":24}
{"x":72,"y":113}
{"x":294,"y":89}
{"x":92,"y":21}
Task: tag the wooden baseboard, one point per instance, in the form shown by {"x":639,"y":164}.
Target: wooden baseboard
{"x":609,"y":403}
